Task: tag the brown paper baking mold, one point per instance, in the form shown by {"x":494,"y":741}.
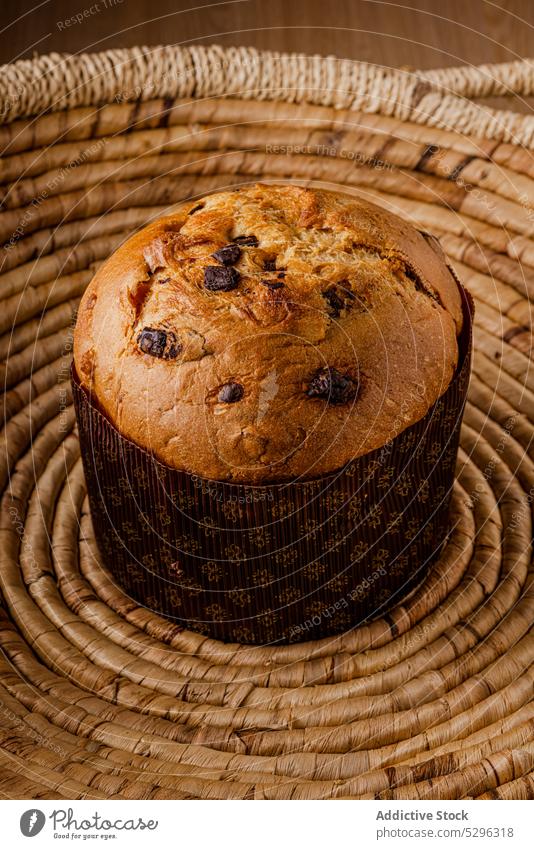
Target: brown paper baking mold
{"x":283,"y":562}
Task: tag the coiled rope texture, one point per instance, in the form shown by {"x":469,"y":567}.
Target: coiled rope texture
{"x":101,"y":698}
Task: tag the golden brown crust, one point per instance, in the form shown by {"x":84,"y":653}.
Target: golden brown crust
{"x":332,"y":330}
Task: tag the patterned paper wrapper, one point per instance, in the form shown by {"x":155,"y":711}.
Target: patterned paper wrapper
{"x":282,"y":562}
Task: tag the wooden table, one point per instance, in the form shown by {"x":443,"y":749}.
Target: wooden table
{"x":418,"y":33}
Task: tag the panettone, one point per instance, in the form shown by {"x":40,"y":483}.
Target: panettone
{"x":270,"y":333}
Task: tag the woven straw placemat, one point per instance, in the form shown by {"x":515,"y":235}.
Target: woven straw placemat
{"x":100,"y":697}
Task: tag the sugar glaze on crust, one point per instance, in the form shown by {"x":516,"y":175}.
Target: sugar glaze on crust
{"x":269,"y":333}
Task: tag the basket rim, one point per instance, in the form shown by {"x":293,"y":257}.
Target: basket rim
{"x":438,"y":97}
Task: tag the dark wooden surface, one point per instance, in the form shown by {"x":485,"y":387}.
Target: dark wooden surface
{"x":417,"y":33}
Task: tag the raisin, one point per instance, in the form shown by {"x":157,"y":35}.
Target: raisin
{"x":220,"y":279}
{"x":162,"y":344}
{"x":330,"y":384}
{"x":228,"y":255}
{"x":196,"y":208}
{"x":246,"y":241}
{"x":230,"y":393}
{"x":269,"y":265}
{"x":272,"y":284}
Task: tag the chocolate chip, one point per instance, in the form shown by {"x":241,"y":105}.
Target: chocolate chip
{"x":330,"y":384}
{"x":269,"y":265}
{"x":337,"y":300}
{"x":228,"y":255}
{"x":230,"y":393}
{"x":196,"y":208}
{"x":272,"y":284}
{"x":335,"y":303}
{"x":246,"y":241}
{"x":162,"y":344}
{"x":220,"y":279}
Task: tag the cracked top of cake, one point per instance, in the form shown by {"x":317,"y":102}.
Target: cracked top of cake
{"x":269,"y":333}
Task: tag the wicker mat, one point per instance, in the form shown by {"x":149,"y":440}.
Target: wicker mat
{"x":101,"y":698}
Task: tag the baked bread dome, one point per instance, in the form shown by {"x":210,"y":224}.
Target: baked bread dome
{"x":269,"y":333}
